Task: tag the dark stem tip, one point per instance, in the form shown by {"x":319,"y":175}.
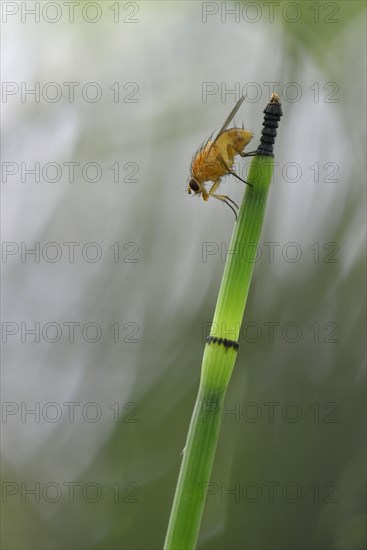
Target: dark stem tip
{"x":273,"y":113}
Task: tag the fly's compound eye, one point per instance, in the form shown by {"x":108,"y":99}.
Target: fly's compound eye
{"x":193,"y":186}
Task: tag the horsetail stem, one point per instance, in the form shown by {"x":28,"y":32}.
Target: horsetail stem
{"x":221,"y":348}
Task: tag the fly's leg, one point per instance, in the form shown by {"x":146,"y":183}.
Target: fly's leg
{"x":238,"y":177}
{"x":249,"y":154}
{"x":213,"y":188}
{"x":222,"y":198}
{"x":229,"y":170}
{"x":225,"y":199}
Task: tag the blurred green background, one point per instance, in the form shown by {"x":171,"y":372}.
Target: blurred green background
{"x":113,"y":367}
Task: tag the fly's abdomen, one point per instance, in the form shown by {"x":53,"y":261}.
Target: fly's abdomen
{"x":238,"y":138}
{"x":231,"y":143}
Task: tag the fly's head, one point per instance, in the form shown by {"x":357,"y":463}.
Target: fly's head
{"x":193,"y":187}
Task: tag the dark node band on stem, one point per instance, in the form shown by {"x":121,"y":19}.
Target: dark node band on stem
{"x":273,"y":112}
{"x":222,"y":342}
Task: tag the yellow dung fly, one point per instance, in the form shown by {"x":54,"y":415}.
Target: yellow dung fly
{"x":216,"y":158}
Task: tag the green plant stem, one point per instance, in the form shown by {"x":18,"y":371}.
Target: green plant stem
{"x":242,"y":252}
{"x":218,"y":362}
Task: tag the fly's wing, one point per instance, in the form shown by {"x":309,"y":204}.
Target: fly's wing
{"x":228,"y":119}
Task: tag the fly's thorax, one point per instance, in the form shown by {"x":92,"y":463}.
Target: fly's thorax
{"x":205,"y":165}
